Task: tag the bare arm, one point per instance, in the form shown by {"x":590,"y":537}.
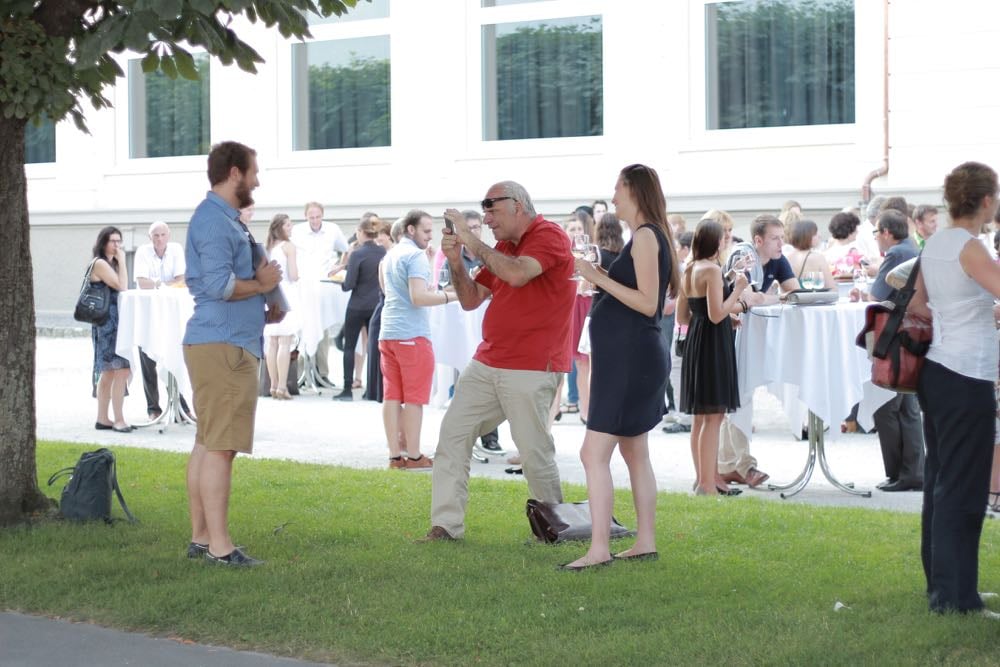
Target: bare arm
{"x":293,"y":261}
{"x":116,"y":280}
{"x":470,"y":293}
{"x":268,"y":275}
{"x":421,"y":296}
{"x":645,"y":298}
{"x":978,"y":264}
{"x":683,"y":312}
{"x":719,"y":308}
{"x":515,"y":271}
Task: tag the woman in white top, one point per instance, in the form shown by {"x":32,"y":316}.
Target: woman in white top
{"x":956,"y":287}
{"x":280,"y":334}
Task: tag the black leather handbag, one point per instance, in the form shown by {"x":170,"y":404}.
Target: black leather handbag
{"x":562,"y":522}
{"x":94,"y":304}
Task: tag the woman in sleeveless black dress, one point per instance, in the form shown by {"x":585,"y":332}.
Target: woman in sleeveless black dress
{"x":708,"y":368}
{"x":629,"y":364}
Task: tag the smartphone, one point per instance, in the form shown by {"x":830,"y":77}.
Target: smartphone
{"x":450,"y":225}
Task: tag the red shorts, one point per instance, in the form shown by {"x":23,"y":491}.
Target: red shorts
{"x":407,"y":370}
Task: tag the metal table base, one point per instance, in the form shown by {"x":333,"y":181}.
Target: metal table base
{"x":817,"y":452}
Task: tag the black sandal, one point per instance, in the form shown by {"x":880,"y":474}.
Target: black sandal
{"x":995,"y":505}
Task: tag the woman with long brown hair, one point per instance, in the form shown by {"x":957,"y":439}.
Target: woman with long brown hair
{"x":629,"y":369}
{"x":109,"y":268}
{"x":280,"y":334}
{"x":708,"y":369}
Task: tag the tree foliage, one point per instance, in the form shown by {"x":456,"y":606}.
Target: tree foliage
{"x":56,"y":56}
{"x":55,"y":53}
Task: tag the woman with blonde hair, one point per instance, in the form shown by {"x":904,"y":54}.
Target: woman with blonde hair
{"x":727,"y":222}
{"x":280,"y":334}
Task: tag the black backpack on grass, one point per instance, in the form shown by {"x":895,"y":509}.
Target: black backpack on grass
{"x":87,"y":495}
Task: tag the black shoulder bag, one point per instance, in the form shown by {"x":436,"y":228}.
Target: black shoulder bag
{"x":94,"y":303}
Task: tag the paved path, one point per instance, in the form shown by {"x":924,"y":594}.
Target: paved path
{"x":315,"y":429}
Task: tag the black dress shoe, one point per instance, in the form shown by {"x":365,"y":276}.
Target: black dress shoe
{"x":123,"y":429}
{"x":103,"y":427}
{"x":887,"y":481}
{"x":235,"y":558}
{"x":903,"y":485}
{"x":345,"y":395}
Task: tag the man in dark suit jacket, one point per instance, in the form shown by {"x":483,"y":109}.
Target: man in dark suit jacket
{"x":900,"y":433}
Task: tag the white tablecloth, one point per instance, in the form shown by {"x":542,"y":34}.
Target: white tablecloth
{"x":807,"y":358}
{"x":322,"y":306}
{"x":455,"y":335}
{"x":155,"y":320}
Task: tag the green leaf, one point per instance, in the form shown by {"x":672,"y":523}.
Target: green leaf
{"x":151,"y":62}
{"x":136,"y":36}
{"x":185,"y":64}
{"x":168,"y":66}
{"x":167,"y":10}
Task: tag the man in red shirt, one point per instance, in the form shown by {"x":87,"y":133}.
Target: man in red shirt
{"x":514,"y":374}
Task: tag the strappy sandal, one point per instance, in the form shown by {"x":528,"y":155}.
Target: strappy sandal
{"x":995,"y":504}
{"x":571,"y":408}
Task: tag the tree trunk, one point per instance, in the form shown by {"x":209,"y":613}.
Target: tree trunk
{"x":19,"y":492}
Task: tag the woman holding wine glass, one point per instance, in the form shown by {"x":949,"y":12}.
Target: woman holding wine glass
{"x":629,"y":363}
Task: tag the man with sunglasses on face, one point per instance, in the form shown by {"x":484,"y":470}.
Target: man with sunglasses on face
{"x":514,"y":374}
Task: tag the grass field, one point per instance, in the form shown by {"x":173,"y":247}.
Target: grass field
{"x":739,"y":582}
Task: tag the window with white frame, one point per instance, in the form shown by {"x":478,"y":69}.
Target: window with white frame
{"x":40,"y":142}
{"x":168,"y":117}
{"x":341,"y":93}
{"x":772,"y":63}
{"x":542,"y":78}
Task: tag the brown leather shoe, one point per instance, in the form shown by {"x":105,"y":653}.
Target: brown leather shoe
{"x":436,"y":534}
{"x":733,"y":477}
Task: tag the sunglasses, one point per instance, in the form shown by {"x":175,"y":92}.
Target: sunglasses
{"x":488,"y":203}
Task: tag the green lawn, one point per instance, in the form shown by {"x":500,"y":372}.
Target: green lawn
{"x":740,"y":581}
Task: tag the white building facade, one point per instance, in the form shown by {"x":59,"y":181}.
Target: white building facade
{"x":740,"y":105}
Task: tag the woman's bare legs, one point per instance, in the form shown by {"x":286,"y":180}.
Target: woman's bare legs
{"x":282,"y":358}
{"x":635,"y":451}
{"x":271,"y":359}
{"x":104,"y":397}
{"x":705,"y":449}
{"x":596,"y":456}
{"x":583,"y":384}
{"x":119,"y":378}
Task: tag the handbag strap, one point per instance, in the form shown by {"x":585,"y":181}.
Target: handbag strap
{"x":86,"y":276}
{"x":118,"y":492}
{"x":900,"y":300}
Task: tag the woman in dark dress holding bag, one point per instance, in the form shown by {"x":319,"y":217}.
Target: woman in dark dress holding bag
{"x":110,"y":268}
{"x":629,"y":364}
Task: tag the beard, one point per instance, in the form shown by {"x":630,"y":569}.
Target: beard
{"x":243,"y":196}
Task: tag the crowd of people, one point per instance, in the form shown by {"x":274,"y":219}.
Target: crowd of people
{"x":595,"y":302}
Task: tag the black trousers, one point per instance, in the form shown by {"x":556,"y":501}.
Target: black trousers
{"x":959,"y":431}
{"x":354,"y":321}
{"x":901,"y":438}
{"x":149,"y":382}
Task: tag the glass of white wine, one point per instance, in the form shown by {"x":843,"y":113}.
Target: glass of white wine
{"x":580,"y":250}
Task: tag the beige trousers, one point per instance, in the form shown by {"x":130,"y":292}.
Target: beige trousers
{"x":485,"y":397}
{"x":734,"y":450}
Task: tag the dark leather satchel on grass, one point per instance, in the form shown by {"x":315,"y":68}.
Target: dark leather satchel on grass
{"x":562,"y":522}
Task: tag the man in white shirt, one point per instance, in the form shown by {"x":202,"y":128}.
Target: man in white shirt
{"x":866,"y":235}
{"x":157,"y":263}
{"x":318,"y":243}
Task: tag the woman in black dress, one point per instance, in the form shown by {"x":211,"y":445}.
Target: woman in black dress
{"x":708,"y":368}
{"x":109,"y":268}
{"x":628,"y":365}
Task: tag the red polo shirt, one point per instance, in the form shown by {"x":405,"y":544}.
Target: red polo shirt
{"x":528,"y":328}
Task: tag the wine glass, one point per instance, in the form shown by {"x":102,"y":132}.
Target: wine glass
{"x":444,"y":276}
{"x":813,"y":280}
{"x":580,"y":248}
{"x":594,"y":257}
{"x":743,"y":260}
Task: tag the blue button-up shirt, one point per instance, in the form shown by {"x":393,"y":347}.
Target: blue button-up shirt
{"x":218,"y":254}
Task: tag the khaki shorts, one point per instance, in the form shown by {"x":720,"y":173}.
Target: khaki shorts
{"x":224,"y":382}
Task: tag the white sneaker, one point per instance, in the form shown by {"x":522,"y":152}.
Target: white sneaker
{"x":992,"y":615}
